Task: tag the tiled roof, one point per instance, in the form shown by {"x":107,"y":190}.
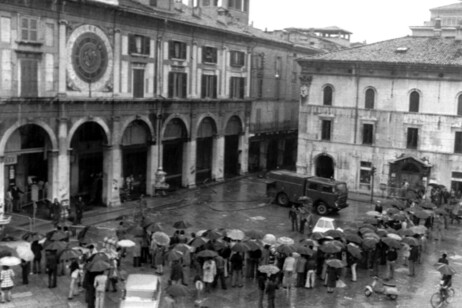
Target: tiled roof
{"x":405,"y":50}
{"x":450,"y":7}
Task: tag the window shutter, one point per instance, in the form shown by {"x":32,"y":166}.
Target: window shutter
{"x":204,"y":86}
{"x":231,"y":87}
{"x":29,"y":82}
{"x":214,"y":85}
{"x":131,"y":44}
{"x":184,"y":85}
{"x":171,"y":49}
{"x":170,"y":84}
{"x":242,"y":88}
{"x":147,"y":45}
{"x":183,"y":50}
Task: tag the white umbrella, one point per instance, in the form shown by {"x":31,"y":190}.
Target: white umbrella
{"x":269,"y":239}
{"x":126,"y":243}
{"x":25,"y":253}
{"x":285,"y":240}
{"x":10,"y":261}
{"x":235,"y":234}
{"x":394,"y":236}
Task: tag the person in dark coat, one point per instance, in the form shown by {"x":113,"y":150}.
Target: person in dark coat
{"x":176,"y":273}
{"x":56,"y":210}
{"x":25,"y":266}
{"x":79,"y":207}
{"x":413,"y":257}
{"x":331,"y":278}
{"x":37,"y":262}
{"x":237,"y":264}
{"x":271,"y":287}
{"x":15,"y":194}
{"x":293,"y":218}
{"x":444,"y":259}
{"x":261,"y":280}
{"x":52,"y":267}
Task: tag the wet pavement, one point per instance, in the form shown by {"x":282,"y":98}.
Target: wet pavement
{"x":242,"y":204}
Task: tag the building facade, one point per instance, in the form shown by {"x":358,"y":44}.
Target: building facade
{"x":384,"y":114}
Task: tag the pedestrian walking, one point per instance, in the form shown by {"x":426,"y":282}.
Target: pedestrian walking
{"x":8,"y":202}
{"x":443,"y":259}
{"x":25,"y":271}
{"x":413,"y":257}
{"x":6,"y":283}
{"x":136,"y":253}
{"x":406,"y":252}
{"x":236,"y":269}
{"x":301,"y":271}
{"x":293,"y":218}
{"x":176,"y":272}
{"x":16,"y":197}
{"x":311,"y":265}
{"x":209,"y":270}
{"x":75,"y":270}
{"x":271,"y":287}
{"x":52,"y":267}
{"x":352,"y":263}
{"x":199,"y":285}
{"x":79,"y":208}
{"x":220,"y":276}
{"x":254,"y":257}
{"x":113,"y":276}
{"x":331,"y":278}
{"x":392,"y":256}
{"x":36,"y":248}
{"x":288,"y":269}
{"x":100,"y":289}
{"x":439,"y":227}
{"x":55,"y":212}
{"x":34,"y":197}
{"x":261,"y":280}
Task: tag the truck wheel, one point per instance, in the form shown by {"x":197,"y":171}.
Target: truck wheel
{"x":282,"y":199}
{"x":321,"y":208}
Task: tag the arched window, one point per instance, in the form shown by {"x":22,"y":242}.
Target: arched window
{"x":414,"y":100}
{"x":370,"y":99}
{"x":459,"y":105}
{"x":327,"y":98}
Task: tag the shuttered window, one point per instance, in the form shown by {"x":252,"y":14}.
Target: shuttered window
{"x":209,"y":55}
{"x":139,"y":44}
{"x":327,"y":96}
{"x":209,"y":86}
{"x":368,"y":133}
{"x":458,"y":143}
{"x":237,"y":87}
{"x":326,"y":126}
{"x":29,"y":78}
{"x":459,"y":106}
{"x":177,"y":50}
{"x":177,"y":85}
{"x":237,"y":58}
{"x":138,"y":83}
{"x":412,"y":138}
{"x":29,"y":29}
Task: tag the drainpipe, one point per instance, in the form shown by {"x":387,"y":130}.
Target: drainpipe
{"x":356,"y":73}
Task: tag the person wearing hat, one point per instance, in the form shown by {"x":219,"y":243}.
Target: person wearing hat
{"x":378,"y":206}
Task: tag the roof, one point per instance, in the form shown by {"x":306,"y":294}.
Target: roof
{"x":331,"y":29}
{"x":450,"y":7}
{"x":404,"y":50}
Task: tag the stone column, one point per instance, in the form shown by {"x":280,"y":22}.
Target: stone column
{"x":189,"y":163}
{"x":263,"y":154}
{"x":218,"y":159}
{"x":111,"y":175}
{"x":61,"y":165}
{"x":224,"y":76}
{"x":117,"y":53}
{"x":152,"y":165}
{"x":62,"y":57}
{"x":244,"y":152}
{"x":249,"y":73}
{"x":193,"y":71}
{"x":281,"y":148}
{"x":54,"y":177}
{"x":2,"y":185}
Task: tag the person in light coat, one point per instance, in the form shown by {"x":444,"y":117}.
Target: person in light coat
{"x":209,"y":271}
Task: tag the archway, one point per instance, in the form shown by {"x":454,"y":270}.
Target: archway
{"x":172,"y":159}
{"x":324,"y":166}
{"x":232,"y":133}
{"x":205,"y":143}
{"x":135,"y":146}
{"x":27,"y":162}
{"x":86,"y":169}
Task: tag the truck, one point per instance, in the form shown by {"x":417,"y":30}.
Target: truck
{"x":327,"y":195}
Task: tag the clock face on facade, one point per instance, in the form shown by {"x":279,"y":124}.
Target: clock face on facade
{"x":90,"y":58}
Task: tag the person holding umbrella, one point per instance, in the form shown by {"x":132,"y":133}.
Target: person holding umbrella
{"x":209,"y":271}
{"x":6,"y":283}
{"x":392,"y":256}
{"x":52,"y":267}
{"x":37,"y":262}
{"x":25,"y":271}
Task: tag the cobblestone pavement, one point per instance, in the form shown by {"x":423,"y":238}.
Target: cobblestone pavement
{"x":242,"y":204}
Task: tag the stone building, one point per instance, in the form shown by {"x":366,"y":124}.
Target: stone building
{"x":393,"y":107}
{"x":98,"y":95}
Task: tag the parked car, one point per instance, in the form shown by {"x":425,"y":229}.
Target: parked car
{"x":324,"y":224}
{"x":327,"y":195}
{"x":142,"y":291}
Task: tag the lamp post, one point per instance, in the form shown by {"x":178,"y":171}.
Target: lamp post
{"x":373,"y":169}
{"x":160,"y":186}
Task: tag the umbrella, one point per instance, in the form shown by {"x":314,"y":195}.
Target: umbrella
{"x":371,"y":235}
{"x":7,"y":252}
{"x":240,"y":247}
{"x":399,"y":204}
{"x":370,"y":220}
{"x":161,"y":238}
{"x":411,"y":241}
{"x":269,"y":239}
{"x":95,"y":234}
{"x":369,"y":243}
{"x":399,"y":217}
{"x":381,"y":232}
{"x":55,"y":245}
{"x":177,"y":290}
{"x":10,"y":261}
{"x":82,"y":250}
{"x":213,"y":234}
{"x":444,"y":269}
{"x":198,"y":242}
{"x":154,"y":227}
{"x":406,"y":232}
{"x":59,"y":236}
{"x":253,"y":245}
{"x":126,"y":243}
{"x":285,"y":249}
{"x":32,"y":236}
{"x":428,"y":205}
{"x":218,"y":245}
{"x":207,"y":254}
{"x":99,"y":256}
{"x":441,"y":211}
{"x":373,"y":213}
{"x":235,"y":234}
{"x":317,"y":236}
{"x":174,"y":255}
{"x":308,"y":242}
{"x":336,"y":263}
{"x":330,"y":247}
{"x":136,"y":231}
{"x":255,"y":234}
{"x":25,"y":253}
{"x":368,"y":226}
{"x":268,"y":269}
{"x":183,"y":248}
{"x":394,"y":236}
{"x":350,"y":237}
{"x":110,"y":253}
{"x":334,"y":233}
{"x":421,"y":214}
{"x":354,"y":250}
{"x":303,"y":250}
{"x":201,"y":232}
{"x":182,"y":224}
{"x":366,"y":230}
{"x":285,"y":240}
{"x":69,"y":253}
{"x":391,"y":242}
{"x":98,"y":266}
{"x":419,"y":229}
{"x":392,"y":211}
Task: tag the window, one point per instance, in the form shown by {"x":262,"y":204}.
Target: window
{"x":177,"y":85}
{"x":260,"y":88}
{"x":370,"y":99}
{"x":209,"y":86}
{"x":458,"y":143}
{"x":326,"y":127}
{"x":29,"y":29}
{"x":153,"y":3}
{"x":246,"y":5}
{"x":237,"y":58}
{"x":459,"y":106}
{"x":365,"y":174}
{"x":209,"y":55}
{"x":414,"y":100}
{"x":138,"y":83}
{"x":327,"y":97}
{"x":139,"y":44}
{"x":368,"y":133}
{"x":313,"y":186}
{"x":237,"y":87}
{"x":257,"y":62}
{"x":278,"y":67}
{"x":412,"y":138}
{"x":29,"y":78}
{"x":205,"y":2}
{"x":177,"y":50}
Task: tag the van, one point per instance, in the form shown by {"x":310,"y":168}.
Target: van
{"x":142,"y":291}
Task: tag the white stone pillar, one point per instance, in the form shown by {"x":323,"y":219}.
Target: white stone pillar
{"x":218,"y":158}
{"x":244,"y":152}
{"x":62,"y":57}
{"x":111,"y":175}
{"x":249,"y":73}
{"x":117,"y":53}
{"x":193,"y":72}
{"x":61,"y":165}
{"x":2,"y":185}
{"x":152,"y":165}
{"x":189,"y":164}
{"x":224,"y":74}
